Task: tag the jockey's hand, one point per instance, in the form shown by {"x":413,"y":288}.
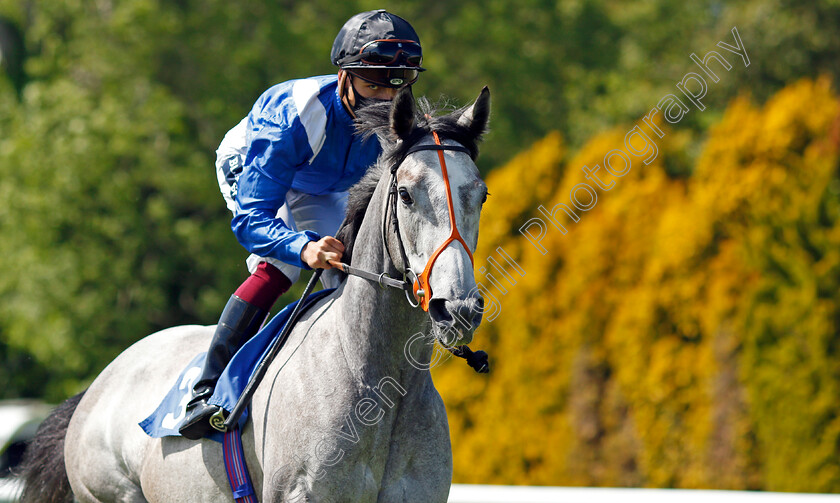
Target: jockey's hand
{"x":319,"y":254}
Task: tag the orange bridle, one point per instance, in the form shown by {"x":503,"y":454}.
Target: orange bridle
{"x":422,"y":286}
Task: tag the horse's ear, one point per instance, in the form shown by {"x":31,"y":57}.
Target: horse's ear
{"x":476,"y":117}
{"x":402,"y":113}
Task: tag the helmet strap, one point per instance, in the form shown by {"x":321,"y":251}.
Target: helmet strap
{"x":346,"y":92}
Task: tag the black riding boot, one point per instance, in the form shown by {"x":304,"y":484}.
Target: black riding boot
{"x":239,"y":322}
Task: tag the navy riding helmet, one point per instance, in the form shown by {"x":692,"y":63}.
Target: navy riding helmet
{"x":378,"y":40}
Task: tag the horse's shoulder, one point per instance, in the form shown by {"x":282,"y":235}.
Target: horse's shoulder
{"x":316,"y":311}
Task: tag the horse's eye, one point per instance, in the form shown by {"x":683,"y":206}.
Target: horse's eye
{"x":405,"y":196}
{"x":484,"y":199}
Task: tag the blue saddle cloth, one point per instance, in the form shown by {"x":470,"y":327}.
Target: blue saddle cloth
{"x":167,"y":418}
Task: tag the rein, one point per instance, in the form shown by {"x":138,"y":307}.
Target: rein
{"x":382,"y":279}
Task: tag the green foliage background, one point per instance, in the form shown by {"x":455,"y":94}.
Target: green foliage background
{"x":112,"y":226}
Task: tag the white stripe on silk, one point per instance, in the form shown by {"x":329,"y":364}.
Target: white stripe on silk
{"x":312,"y":113}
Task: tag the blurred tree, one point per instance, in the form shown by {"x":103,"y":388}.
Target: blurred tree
{"x":12,"y":53}
{"x":110,"y":229}
{"x":683,"y":333}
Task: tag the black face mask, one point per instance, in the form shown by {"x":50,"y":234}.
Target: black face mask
{"x":364,"y":102}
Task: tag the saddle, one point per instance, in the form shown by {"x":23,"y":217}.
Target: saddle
{"x":166,"y":419}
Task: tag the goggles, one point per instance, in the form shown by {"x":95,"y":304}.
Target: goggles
{"x":390,"y":52}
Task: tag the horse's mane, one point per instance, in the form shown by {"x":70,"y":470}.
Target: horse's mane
{"x":375,"y":120}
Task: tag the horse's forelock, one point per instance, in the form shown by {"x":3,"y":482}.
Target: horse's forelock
{"x":374,"y":120}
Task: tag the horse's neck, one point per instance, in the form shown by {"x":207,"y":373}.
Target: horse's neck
{"x":379,"y":321}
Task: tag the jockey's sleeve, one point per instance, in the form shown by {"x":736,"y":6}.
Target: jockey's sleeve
{"x":274,"y":156}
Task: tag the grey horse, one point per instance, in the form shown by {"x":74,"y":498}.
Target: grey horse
{"x":347,"y":412}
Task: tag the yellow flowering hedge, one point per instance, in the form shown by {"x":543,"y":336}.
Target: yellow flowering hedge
{"x":684,"y":333}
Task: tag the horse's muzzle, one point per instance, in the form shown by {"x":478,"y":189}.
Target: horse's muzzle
{"x":457,"y":319}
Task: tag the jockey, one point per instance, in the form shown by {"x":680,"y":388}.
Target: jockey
{"x":284,"y":171}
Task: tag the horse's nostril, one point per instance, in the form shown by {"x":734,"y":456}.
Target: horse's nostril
{"x":438,"y":311}
{"x":479,"y":304}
